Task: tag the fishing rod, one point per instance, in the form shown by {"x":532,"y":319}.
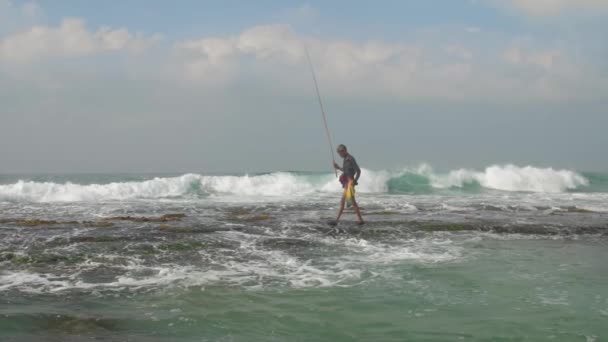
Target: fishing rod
{"x":314,"y":78}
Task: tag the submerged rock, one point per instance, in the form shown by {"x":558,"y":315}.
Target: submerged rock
{"x":75,"y":325}
{"x":445,"y":227}
{"x":39,"y":259}
{"x":164,"y":218}
{"x":288,"y":243}
{"x":382,"y":212}
{"x":573,"y":210}
{"x":242,"y":215}
{"x":254,"y":218}
{"x":191,"y":230}
{"x":34,"y":222}
{"x":99,"y":224}
{"x":181,"y":246}
{"x":97,"y":239}
{"x":239,"y":212}
{"x":176,"y":229}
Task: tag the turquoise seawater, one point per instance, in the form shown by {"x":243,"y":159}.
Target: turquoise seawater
{"x":505,"y":254}
{"x":509,"y":290}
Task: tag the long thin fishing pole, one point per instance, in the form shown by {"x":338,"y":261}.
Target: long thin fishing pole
{"x":314,"y":78}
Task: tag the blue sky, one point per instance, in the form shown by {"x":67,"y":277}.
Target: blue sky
{"x":345,"y":19}
{"x":190,"y":16}
{"x":348,"y":19}
{"x":224,"y":85}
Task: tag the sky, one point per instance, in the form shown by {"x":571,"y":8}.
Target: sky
{"x":224,"y":86}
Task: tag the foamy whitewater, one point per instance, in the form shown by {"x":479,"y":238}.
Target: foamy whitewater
{"x":284,"y":184}
{"x":206,"y":257}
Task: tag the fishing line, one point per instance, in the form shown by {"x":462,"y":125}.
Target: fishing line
{"x":314,"y":78}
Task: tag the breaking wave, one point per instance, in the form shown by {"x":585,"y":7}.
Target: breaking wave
{"x":420,"y":180}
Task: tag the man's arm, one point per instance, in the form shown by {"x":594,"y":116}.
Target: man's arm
{"x":337,"y":167}
{"x":357,"y":172}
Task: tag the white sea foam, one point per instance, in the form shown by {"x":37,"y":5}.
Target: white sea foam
{"x":427,"y":250}
{"x":254,"y":267}
{"x":513,"y":178}
{"x":285,"y":184}
{"x":275,"y":184}
{"x":69,"y":192}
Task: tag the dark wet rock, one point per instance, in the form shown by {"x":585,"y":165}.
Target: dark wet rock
{"x":254,"y":218}
{"x":544,"y":229}
{"x":74,"y":325}
{"x":176,"y":229}
{"x":398,"y":227}
{"x":6,"y":256}
{"x":36,"y":222}
{"x":382,"y":212}
{"x":239,"y":212}
{"x":181,"y":246}
{"x":489,"y":207}
{"x":193,"y":230}
{"x":246,"y":215}
{"x":524,"y":229}
{"x":444,"y":226}
{"x":42,"y":259}
{"x":173,"y":217}
{"x":164,"y":218}
{"x":287,"y":243}
{"x":88,"y":239}
{"x":98,"y":224}
{"x":572,"y":210}
{"x":76,"y":239}
{"x":143,"y":248}
{"x":249,"y":218}
{"x":507,"y":228}
{"x":105,"y":273}
{"x":370,"y":228}
{"x":579,"y":210}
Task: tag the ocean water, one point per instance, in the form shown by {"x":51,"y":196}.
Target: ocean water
{"x":506,"y":253}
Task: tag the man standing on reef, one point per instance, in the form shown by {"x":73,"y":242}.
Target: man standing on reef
{"x":350,"y":176}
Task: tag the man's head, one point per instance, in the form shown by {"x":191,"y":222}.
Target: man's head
{"x":342,"y":150}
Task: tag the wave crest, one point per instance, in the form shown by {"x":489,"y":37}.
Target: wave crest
{"x":422,"y":179}
{"x":513,"y":178}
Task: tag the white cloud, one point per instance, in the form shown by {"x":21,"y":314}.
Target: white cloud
{"x":275,"y":53}
{"x":277,"y":46}
{"x":70,"y":39}
{"x":555,"y":7}
{"x":542,"y":58}
{"x":272,"y":56}
{"x":459,"y":51}
{"x":216,"y":59}
{"x":13,"y":17}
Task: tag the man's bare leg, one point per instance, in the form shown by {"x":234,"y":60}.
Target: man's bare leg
{"x":342,"y":201}
{"x":358,"y":211}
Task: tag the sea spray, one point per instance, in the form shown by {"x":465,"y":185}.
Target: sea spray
{"x":285,"y":184}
